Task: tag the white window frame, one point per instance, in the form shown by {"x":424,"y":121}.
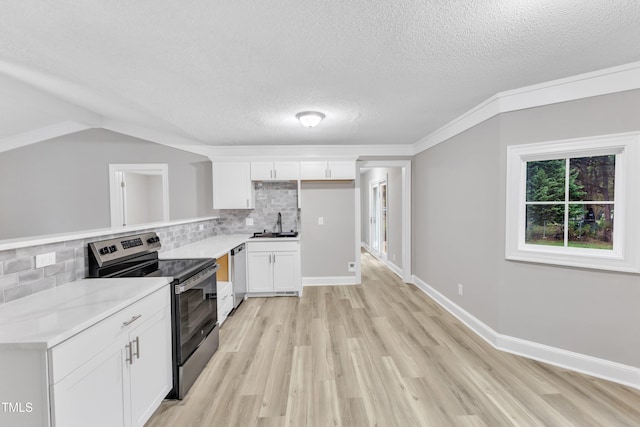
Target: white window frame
{"x":625,"y":255}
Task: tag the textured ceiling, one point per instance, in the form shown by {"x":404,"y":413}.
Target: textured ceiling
{"x":237,"y":72}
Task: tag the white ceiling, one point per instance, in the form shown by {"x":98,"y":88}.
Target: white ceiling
{"x":237,"y":72}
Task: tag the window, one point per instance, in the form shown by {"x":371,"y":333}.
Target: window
{"x":574,"y":202}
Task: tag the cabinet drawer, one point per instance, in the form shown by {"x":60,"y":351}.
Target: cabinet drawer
{"x":224,"y":289}
{"x":273,"y":246}
{"x":77,"y":350}
{"x":227,"y":306}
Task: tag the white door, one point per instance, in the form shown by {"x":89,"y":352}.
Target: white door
{"x":342,"y":170}
{"x":378,"y":219}
{"x":261,"y":171}
{"x":286,"y":171}
{"x":232,"y":186}
{"x":93,"y":395}
{"x":151,"y":376}
{"x":384,"y":225}
{"x":284,"y":271}
{"x":313,"y":170}
{"x":259,"y":272}
{"x":374,"y":230}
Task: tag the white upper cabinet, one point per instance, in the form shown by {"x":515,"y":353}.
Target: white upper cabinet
{"x":275,"y":171}
{"x":322,"y":171}
{"x":232,"y":186}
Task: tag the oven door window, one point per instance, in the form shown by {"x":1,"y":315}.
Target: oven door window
{"x":198,"y":311}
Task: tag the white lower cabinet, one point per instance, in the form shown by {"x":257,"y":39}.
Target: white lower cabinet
{"x":273,"y":267}
{"x":225,"y":301}
{"x":130,"y":374}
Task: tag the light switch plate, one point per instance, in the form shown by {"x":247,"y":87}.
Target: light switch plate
{"x":44,"y":260}
{"x":249,"y":221}
{"x":320,"y":220}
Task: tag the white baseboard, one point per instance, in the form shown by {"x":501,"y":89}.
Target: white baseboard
{"x":330,"y":281}
{"x":596,"y":367}
{"x":395,"y":269}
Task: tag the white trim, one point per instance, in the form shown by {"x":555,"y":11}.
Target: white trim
{"x":596,"y":367}
{"x":358,"y":213}
{"x":601,"y":82}
{"x":41,"y":134}
{"x":22,"y":242}
{"x":625,"y":255}
{"x":365,"y":246}
{"x":394,"y":268}
{"x":330,"y":281}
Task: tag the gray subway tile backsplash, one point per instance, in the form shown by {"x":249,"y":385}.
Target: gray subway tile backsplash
{"x":18,"y":264}
{"x":20,"y":278}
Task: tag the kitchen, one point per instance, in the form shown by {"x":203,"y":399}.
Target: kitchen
{"x":225,"y":172}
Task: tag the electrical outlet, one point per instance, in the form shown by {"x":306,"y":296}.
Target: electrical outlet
{"x":320,"y":220}
{"x":351,"y":266}
{"x":460,"y":289}
{"x":44,"y":260}
{"x":249,"y":221}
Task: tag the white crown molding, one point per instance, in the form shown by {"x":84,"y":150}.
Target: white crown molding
{"x":301,"y":152}
{"x":596,"y":367}
{"x":329,"y":281}
{"x":601,"y":82}
{"x":41,"y":134}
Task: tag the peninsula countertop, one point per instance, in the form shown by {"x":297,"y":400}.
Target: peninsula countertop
{"x":47,"y":318}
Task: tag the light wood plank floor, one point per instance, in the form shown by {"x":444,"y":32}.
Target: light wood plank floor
{"x":381,"y":354}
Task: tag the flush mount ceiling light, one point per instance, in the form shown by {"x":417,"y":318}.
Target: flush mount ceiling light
{"x":310,"y":119}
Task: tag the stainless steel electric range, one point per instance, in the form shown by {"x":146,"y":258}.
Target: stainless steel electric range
{"x":194,"y":298}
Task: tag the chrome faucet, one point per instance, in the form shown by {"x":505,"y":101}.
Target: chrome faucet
{"x":279,"y":223}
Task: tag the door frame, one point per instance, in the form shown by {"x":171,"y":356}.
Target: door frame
{"x":116,"y":197}
{"x":405,"y":165}
{"x":377,"y":214}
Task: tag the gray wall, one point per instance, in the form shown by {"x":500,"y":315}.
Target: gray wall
{"x":459,"y":216}
{"x":62,"y":184}
{"x":326,"y":249}
{"x":394,"y":209}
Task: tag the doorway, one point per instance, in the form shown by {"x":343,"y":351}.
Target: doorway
{"x":379,"y":226}
{"x":139,"y":194}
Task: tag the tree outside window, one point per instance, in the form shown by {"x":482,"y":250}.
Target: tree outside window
{"x":570,"y":202}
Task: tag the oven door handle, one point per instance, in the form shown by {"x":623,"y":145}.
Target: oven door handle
{"x":191,"y":283}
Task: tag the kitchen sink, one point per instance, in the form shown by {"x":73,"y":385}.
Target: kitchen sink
{"x":269,"y":234}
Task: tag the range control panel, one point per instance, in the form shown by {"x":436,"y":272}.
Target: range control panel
{"x":105,"y":251}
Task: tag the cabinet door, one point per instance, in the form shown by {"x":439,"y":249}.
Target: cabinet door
{"x":286,"y":171}
{"x":259,"y":273}
{"x":150,"y":372}
{"x":342,"y":170}
{"x":94,"y":394}
{"x":285,"y":271}
{"x":232,"y":186}
{"x":313,"y":170}
{"x":262,"y":171}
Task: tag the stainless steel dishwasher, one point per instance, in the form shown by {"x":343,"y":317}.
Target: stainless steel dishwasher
{"x":239,"y":274}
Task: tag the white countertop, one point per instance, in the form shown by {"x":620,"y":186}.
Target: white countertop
{"x":217,"y":246}
{"x":213,"y":247}
{"x":47,"y":318}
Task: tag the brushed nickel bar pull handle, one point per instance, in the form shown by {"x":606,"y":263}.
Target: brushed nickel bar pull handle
{"x":133,"y":319}
{"x":274,"y":258}
{"x":130,"y":358}
{"x":275,"y":174}
{"x":137,"y":353}
{"x":271,"y":174}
